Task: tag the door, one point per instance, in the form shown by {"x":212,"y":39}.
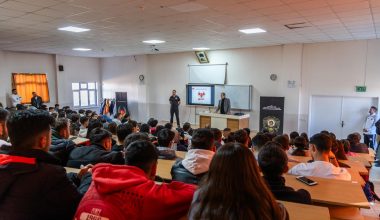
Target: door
{"x":325,"y":114}
{"x":340,"y":115}
{"x":354,"y":113}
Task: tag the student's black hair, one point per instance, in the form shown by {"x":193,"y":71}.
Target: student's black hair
{"x":374,"y":108}
{"x":300,"y":143}
{"x":272,"y":159}
{"x":88,"y":112}
{"x":165,"y":137}
{"x":259,"y":141}
{"x":304,"y":135}
{"x":56,"y":105}
{"x":159,"y":128}
{"x":247,"y":130}
{"x":123,"y":131}
{"x":145,"y":128}
{"x":61,"y":123}
{"x":332,"y":136}
{"x":325,"y":132}
{"x":133,"y":123}
{"x":168,"y":126}
{"x":293,"y":134}
{"x":241,"y":136}
{"x":283,"y":141}
{"x":203,"y":138}
{"x":83,"y":119}
{"x":25,"y":126}
{"x":230,"y":138}
{"x":14,"y":90}
{"x":62,"y":114}
{"x":3,"y":115}
{"x":186,"y":126}
{"x":54,"y":115}
{"x":322,"y":142}
{"x":51,"y":108}
{"x":227,"y":129}
{"x":217,"y":134}
{"x":74,"y":118}
{"x":112,"y":127}
{"x":92,"y":125}
{"x":81,"y":111}
{"x":97,"y":135}
{"x":152,"y":122}
{"x":135,"y":137}
{"x":141,"y":154}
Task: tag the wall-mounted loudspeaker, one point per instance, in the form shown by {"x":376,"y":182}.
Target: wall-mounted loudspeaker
{"x":60,"y":68}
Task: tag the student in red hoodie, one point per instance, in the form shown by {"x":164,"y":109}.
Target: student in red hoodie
{"x":129,"y":191}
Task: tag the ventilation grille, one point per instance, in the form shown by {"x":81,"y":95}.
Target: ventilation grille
{"x":297,"y":25}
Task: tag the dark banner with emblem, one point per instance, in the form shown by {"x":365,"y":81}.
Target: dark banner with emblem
{"x":272,"y":114}
{"x":122,"y":103}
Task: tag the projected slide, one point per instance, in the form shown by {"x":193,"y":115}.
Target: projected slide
{"x":200,"y":95}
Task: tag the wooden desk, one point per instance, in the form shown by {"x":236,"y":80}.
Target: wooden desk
{"x":364,"y":161}
{"x":164,"y":167}
{"x":356,"y":165}
{"x":180,"y":154}
{"x":79,"y":140}
{"x":355,"y":176}
{"x":366,"y":157}
{"x":71,"y":170}
{"x":306,"y":212}
{"x":222,"y":121}
{"x":332,"y":192}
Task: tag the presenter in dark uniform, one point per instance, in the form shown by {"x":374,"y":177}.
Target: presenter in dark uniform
{"x":174,"y":103}
{"x":224,"y":105}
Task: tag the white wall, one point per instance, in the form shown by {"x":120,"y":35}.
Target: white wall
{"x":121,"y":74}
{"x":76,"y":69}
{"x":16,"y":62}
{"x":335,"y":69}
{"x":251,"y":66}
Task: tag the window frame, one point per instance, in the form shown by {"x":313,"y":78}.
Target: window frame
{"x":95,"y":90}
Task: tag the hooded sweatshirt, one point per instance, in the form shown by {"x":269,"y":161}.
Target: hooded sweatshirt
{"x":193,"y":167}
{"x":125,"y":192}
{"x":320,"y":169}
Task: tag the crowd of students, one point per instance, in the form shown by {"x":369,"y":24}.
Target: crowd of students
{"x":224,"y":174}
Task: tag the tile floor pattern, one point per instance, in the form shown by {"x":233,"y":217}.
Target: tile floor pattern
{"x":373,"y":213}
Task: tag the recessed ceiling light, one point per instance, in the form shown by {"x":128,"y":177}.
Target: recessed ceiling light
{"x":201,"y":48}
{"x":73,"y":29}
{"x":154,"y":41}
{"x":82,"y":49}
{"x":253,"y":31}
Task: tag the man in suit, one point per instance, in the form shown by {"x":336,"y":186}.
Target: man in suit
{"x":224,"y":104}
{"x":36,"y":100}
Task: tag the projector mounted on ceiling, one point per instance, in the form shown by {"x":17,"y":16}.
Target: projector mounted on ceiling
{"x":297,"y":25}
{"x":154,"y":49}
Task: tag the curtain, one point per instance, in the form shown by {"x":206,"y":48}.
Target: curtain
{"x":26,"y":83}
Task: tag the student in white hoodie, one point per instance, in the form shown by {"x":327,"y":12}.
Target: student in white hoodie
{"x":197,"y":160}
{"x":83,"y":126}
{"x":322,"y":166}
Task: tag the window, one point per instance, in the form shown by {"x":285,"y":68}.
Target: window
{"x":26,"y":83}
{"x":85,"y":94}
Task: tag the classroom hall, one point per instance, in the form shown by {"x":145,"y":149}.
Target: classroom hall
{"x":189,"y":109}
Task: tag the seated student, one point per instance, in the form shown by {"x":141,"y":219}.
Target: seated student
{"x":61,"y":145}
{"x":300,"y":147}
{"x":241,"y":137}
{"x":217,"y":137}
{"x":129,"y":191}
{"x":165,"y":140}
{"x":258,"y":143}
{"x":93,"y":123}
{"x":273,"y":162}
{"x":98,"y":152}
{"x":320,"y":149}
{"x":226,"y":133}
{"x":82,"y":112}
{"x":134,"y":125}
{"x":112,"y":128}
{"x":122,"y":132}
{"x":355,"y":144}
{"x":152,"y":124}
{"x":304,"y":135}
{"x":117,"y":118}
{"x":83,"y":126}
{"x":283,"y":141}
{"x":74,"y":124}
{"x":3,"y":129}
{"x":159,"y":128}
{"x":144,"y":128}
{"x":347,"y":147}
{"x":234,"y":189}
{"x":33,"y":183}
{"x":197,"y":160}
{"x":292,"y":137}
{"x":51,"y":110}
{"x":249,"y":137}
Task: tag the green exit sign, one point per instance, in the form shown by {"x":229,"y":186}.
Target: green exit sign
{"x":361,"y":88}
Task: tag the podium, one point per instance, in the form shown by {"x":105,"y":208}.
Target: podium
{"x":221,"y":121}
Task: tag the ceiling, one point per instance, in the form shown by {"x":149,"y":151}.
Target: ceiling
{"x":119,"y":26}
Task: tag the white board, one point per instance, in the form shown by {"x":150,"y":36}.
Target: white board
{"x":210,"y":74}
{"x":239,"y":95}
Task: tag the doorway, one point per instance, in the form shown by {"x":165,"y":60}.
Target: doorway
{"x":338,"y":114}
